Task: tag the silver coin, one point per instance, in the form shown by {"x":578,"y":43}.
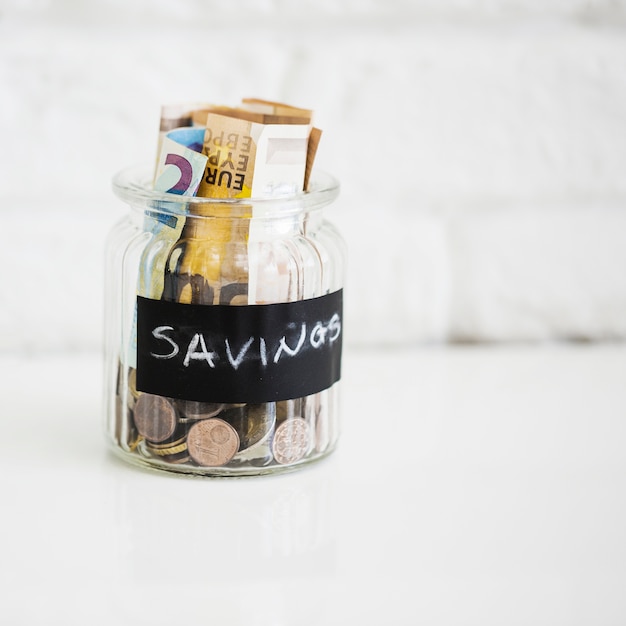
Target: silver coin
{"x":198,"y":410}
{"x":291,"y":441}
{"x":251,"y":421}
{"x":288,"y":409}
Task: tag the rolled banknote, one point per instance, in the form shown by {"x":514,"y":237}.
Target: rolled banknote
{"x":269,"y":107}
{"x":176,"y":116}
{"x":179,"y":170}
{"x":181,"y":164}
{"x":249,"y":157}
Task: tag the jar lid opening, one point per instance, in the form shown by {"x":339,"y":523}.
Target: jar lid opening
{"x":133,"y":185}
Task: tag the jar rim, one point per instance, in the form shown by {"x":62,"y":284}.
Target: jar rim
{"x":133,"y":185}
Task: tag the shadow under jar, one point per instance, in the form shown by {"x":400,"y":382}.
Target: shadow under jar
{"x":223,"y":330}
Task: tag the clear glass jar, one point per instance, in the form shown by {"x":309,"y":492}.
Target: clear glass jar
{"x":223,"y":330}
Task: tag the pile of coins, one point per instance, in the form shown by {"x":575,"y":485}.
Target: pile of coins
{"x":207,"y":434}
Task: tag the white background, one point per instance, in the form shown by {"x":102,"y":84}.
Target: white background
{"x":481,"y":148}
{"x":474,"y":486}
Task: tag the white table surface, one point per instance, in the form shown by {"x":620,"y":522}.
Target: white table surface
{"x":472,"y":485}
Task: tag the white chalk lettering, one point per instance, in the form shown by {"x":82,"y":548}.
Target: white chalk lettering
{"x":202,"y":355}
{"x":157,"y":333}
{"x":334,"y":326}
{"x":236,"y":362}
{"x":318,"y":335}
{"x":283,"y":347}
{"x":254,"y":348}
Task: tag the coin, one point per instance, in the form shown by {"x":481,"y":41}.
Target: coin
{"x":131,"y":393}
{"x":124,"y":427}
{"x":198,"y":410}
{"x":251,"y":421}
{"x":169,"y":448}
{"x":261,"y":418}
{"x":132,"y":383}
{"x":291,"y":441}
{"x":288,"y":409}
{"x":212,"y":442}
{"x":155,"y":417}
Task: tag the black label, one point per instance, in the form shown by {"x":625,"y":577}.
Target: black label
{"x":250,"y":353}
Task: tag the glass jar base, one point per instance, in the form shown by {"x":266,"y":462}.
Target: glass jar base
{"x":241,"y":471}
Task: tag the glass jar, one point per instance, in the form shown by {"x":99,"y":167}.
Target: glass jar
{"x":223,"y":330}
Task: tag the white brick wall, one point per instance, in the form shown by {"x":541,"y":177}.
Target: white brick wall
{"x":481,"y":147}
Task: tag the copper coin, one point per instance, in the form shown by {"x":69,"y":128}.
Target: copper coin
{"x":212,"y":442}
{"x":198,"y":410}
{"x":155,"y":417}
{"x":291,"y":441}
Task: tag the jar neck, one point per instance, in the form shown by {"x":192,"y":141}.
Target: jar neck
{"x":278,"y":216}
{"x":230,"y":227}
{"x":217,"y":229}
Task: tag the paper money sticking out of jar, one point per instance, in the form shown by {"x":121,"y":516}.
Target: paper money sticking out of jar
{"x":259,"y":149}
